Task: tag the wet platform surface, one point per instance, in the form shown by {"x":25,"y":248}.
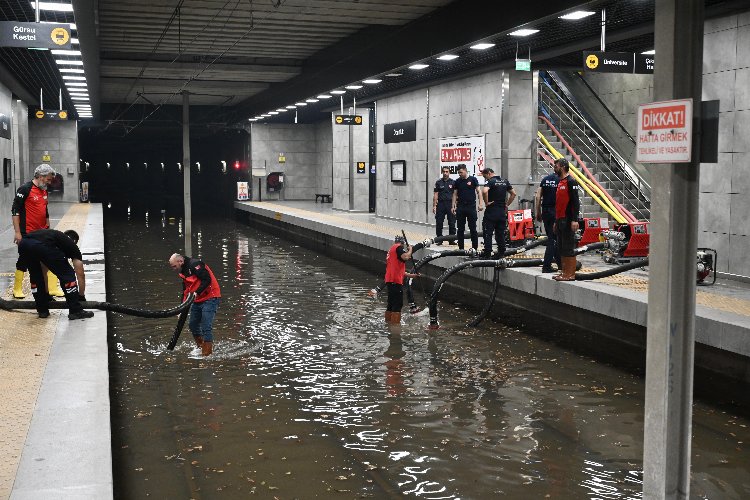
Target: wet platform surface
{"x":54,"y":416}
{"x":722,"y":310}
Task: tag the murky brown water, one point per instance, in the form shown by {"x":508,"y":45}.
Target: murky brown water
{"x":307,"y":395}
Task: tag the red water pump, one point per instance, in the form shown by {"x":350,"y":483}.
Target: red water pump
{"x":626,"y":242}
{"x":706,"y":266}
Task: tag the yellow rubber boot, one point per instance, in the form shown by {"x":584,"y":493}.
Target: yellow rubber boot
{"x":18,"y":286}
{"x":53,"y":285}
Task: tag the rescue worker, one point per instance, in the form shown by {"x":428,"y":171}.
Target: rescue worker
{"x":567,"y":208}
{"x":53,"y":249}
{"x":29,"y":213}
{"x":498,"y":194}
{"x":465,"y":196}
{"x":442,"y":203}
{"x":395,"y":271}
{"x":544,"y":206}
{"x":197,"y":277}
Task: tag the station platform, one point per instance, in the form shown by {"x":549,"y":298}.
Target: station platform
{"x":615,"y":307}
{"x":54,"y":415}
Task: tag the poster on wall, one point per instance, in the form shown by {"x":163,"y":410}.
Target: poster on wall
{"x":468,"y":150}
{"x":4,"y":126}
{"x":242,"y":191}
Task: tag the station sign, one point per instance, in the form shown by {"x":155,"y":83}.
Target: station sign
{"x":665,"y":132}
{"x":361,"y":167}
{"x":51,"y":114}
{"x":34,"y":35}
{"x":617,"y":62}
{"x":348,"y":119}
{"x":400,"y":132}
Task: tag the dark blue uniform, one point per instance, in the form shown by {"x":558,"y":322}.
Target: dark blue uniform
{"x":466,"y":209}
{"x":444,"y":189}
{"x":495,"y":215}
{"x":549,"y":191}
{"x":53,"y":249}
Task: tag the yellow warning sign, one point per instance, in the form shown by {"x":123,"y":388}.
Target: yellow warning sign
{"x":63,"y":115}
{"x":60,"y":36}
{"x":46,"y":157}
{"x":592,"y":61}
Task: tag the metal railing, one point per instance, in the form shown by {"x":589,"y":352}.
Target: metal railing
{"x":613,"y":171}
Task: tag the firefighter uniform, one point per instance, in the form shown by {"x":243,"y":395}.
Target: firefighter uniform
{"x":444,"y":190}
{"x":496,"y":215}
{"x":466,"y":209}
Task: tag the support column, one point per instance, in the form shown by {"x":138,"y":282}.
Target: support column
{"x":671,"y":295}
{"x":186,"y":172}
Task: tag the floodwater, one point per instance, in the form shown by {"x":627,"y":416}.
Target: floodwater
{"x":310,"y":395}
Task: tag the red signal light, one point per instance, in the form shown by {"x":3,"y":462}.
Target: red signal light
{"x":237,"y":165}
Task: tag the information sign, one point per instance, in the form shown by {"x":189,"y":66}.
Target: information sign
{"x":348,"y":119}
{"x":34,"y":35}
{"x":665,"y":132}
{"x":469,"y":151}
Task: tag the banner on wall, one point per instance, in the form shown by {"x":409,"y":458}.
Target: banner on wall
{"x":468,"y":150}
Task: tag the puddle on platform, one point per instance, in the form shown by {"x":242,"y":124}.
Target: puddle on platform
{"x":309,"y":395}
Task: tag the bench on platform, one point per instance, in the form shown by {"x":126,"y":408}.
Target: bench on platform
{"x":324,"y":198}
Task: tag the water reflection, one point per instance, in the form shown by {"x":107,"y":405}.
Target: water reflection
{"x":309,"y":394}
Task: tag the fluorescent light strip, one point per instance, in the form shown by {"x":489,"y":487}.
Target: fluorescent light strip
{"x":311,"y":100}
{"x":579,"y":14}
{"x":419,"y":66}
{"x":338,"y":92}
{"x":523,"y":32}
{"x":301,"y":103}
{"x":72,"y":63}
{"x":65,"y":52}
{"x":282,"y":110}
{"x":70,"y":70}
{"x":448,"y":57}
{"x":393,"y":75}
{"x":273,"y":112}
{"x":71,"y":77}
{"x":56,"y":6}
{"x":371,"y":81}
{"x":291,"y":106}
{"x":649,"y":52}
{"x":80,"y":98}
{"x":353,"y":87}
{"x":482,"y":46}
{"x":76,"y":84}
{"x":324,"y":96}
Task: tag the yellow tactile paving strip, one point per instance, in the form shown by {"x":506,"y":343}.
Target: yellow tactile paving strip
{"x":25,"y":343}
{"x":712,"y":300}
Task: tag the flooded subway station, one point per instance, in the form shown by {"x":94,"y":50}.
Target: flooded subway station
{"x":309,"y":395}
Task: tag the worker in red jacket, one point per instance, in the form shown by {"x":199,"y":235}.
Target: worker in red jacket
{"x":197,"y":277}
{"x":395,"y":271}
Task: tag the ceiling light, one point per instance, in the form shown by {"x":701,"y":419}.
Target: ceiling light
{"x":579,"y":14}
{"x":76,"y":84}
{"x":80,"y":98}
{"x":253,"y":119}
{"x":72,"y":63}
{"x":324,"y":96}
{"x":418,"y":66}
{"x":282,"y":110}
{"x":71,"y":70}
{"x":301,"y":103}
{"x":482,"y":46}
{"x":371,"y":81}
{"x":72,"y":77}
{"x":353,"y":87}
{"x":73,"y":94}
{"x":273,"y":112}
{"x":649,"y":52}
{"x":338,"y":92}
{"x":523,"y":32}
{"x":448,"y":57}
{"x":59,"y":7}
{"x":311,"y":100}
{"x":62,"y":52}
{"x":391,"y":75}
{"x":291,"y":106}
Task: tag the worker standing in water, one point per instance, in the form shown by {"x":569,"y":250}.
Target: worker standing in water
{"x":197,"y":277}
{"x":395,"y":271}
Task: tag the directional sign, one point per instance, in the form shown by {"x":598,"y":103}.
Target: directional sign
{"x":51,"y":114}
{"x":608,"y":62}
{"x":34,"y":35}
{"x":360,"y":167}
{"x":665,"y":132}
{"x":348,"y":119}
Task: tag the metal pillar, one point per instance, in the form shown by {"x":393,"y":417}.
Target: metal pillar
{"x":186,"y":172}
{"x":352,"y":169}
{"x":674,"y":235}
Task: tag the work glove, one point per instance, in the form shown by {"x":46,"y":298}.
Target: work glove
{"x":81,"y":297}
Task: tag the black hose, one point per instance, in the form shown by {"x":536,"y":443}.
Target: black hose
{"x":488,"y":306}
{"x":178,"y":328}
{"x":103,"y":306}
{"x":589,"y":247}
{"x":612,"y":271}
{"x":449,"y":253}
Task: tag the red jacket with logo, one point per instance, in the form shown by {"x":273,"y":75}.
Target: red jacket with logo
{"x":197,"y":277}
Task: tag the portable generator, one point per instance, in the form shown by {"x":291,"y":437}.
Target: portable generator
{"x":627,"y":242}
{"x":591,"y":227}
{"x":706,"y":263}
{"x":520,"y":227}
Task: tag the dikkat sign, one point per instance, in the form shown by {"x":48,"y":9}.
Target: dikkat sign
{"x":665,"y":132}
{"x":469,"y":151}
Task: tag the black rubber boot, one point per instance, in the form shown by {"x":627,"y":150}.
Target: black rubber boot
{"x":75,"y":311}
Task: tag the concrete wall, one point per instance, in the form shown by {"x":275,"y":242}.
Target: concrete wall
{"x":16,"y":148}
{"x":470,"y":106}
{"x":59,"y":139}
{"x":304,"y":147}
{"x":345,"y":167}
{"x":724,"y":205}
{"x":622,"y":94}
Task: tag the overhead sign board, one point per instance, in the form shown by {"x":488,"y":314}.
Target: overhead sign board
{"x":523,"y":64}
{"x":400,"y":132}
{"x":34,"y":35}
{"x":644,"y":64}
{"x":665,"y":132}
{"x":51,"y":114}
{"x":348,"y":119}
{"x":617,"y":62}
